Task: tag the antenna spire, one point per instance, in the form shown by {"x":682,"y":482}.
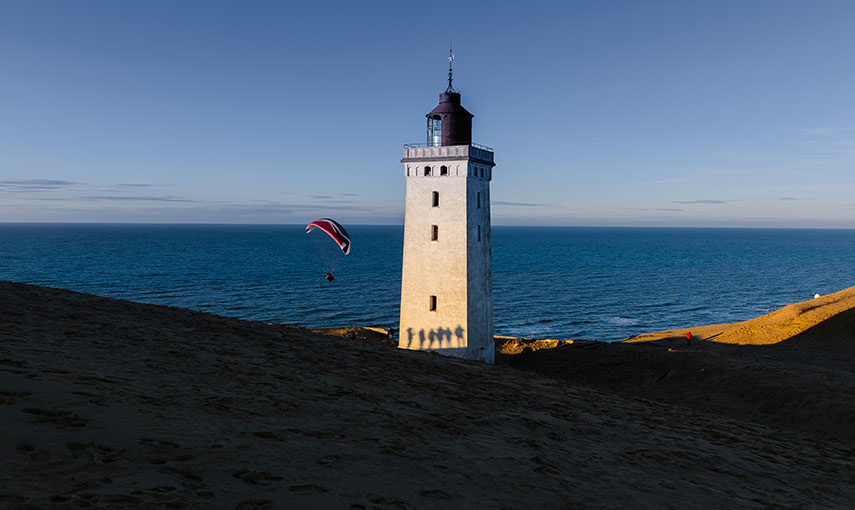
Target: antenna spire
{"x":450,"y":60}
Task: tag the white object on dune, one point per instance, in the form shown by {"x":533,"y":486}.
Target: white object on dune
{"x":815,"y":296}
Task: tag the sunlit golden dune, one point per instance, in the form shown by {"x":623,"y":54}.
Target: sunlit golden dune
{"x":783,"y":324}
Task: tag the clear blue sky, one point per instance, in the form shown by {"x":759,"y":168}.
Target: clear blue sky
{"x":673,"y":113}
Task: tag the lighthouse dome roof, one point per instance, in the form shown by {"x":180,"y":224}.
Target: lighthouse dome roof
{"x":449,"y":102}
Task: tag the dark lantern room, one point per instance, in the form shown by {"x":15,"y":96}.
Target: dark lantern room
{"x":449,"y":123}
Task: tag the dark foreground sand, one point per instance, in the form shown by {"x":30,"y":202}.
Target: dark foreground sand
{"x":112,"y":404}
{"x":792,"y":369}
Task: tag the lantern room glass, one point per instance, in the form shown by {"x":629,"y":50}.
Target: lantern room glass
{"x":434,"y":131}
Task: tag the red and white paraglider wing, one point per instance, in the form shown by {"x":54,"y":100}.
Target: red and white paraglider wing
{"x":335,"y":231}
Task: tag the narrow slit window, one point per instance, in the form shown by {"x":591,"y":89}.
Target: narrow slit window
{"x":434,"y":233}
{"x":435,"y":199}
{"x":478,"y":199}
{"x":479,"y":233}
{"x":482,"y":173}
{"x":432,"y":304}
{"x":443,"y":170}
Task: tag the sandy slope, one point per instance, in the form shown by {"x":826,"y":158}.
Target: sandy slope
{"x":791,"y":369}
{"x":782,"y":324}
{"x":107,"y":403}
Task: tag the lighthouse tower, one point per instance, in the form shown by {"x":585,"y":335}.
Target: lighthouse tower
{"x":446,"y":280}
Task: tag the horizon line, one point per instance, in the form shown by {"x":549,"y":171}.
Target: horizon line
{"x":178,"y":223}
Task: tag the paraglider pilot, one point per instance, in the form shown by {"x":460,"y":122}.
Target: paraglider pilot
{"x":338,"y":234}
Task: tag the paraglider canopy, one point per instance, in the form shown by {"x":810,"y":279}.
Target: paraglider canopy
{"x":335,"y":231}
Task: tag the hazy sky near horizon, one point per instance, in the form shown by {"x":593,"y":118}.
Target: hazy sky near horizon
{"x":660,"y":113}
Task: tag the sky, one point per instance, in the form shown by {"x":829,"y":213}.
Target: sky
{"x":601,"y":113}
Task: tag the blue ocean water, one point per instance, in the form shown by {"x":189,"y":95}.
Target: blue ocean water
{"x":592,"y":283}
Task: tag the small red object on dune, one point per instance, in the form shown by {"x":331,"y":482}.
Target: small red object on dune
{"x":689,"y":335}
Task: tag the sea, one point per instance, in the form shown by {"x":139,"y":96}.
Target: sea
{"x":548,"y":282}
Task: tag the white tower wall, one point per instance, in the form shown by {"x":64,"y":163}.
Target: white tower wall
{"x":455,"y":268}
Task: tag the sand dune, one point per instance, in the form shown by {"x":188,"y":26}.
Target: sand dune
{"x":792,"y":369}
{"x":798,"y":319}
{"x":112,"y":404}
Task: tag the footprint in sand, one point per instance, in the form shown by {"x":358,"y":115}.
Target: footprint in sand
{"x":40,"y":455}
{"x":545,"y":466}
{"x":35,"y":454}
{"x":328,"y":460}
{"x":163,"y":489}
{"x":189,"y":479}
{"x":159,"y":443}
{"x":13,"y":501}
{"x":438,"y":494}
{"x":94,"y":452}
{"x":9,"y":397}
{"x":96,"y":399}
{"x":61,"y":419}
{"x":160,"y":452}
{"x":80,"y":451}
{"x":307,"y":488}
{"x":383,"y":500}
{"x":256,"y":477}
{"x":254,"y":504}
{"x":13,"y":363}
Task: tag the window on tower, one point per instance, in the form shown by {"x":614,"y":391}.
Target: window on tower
{"x":434,"y":233}
{"x":432,"y":305}
{"x":479,"y":233}
{"x":436,"y":198}
{"x":443,"y":170}
{"x":478,"y":199}
{"x":427,"y":170}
